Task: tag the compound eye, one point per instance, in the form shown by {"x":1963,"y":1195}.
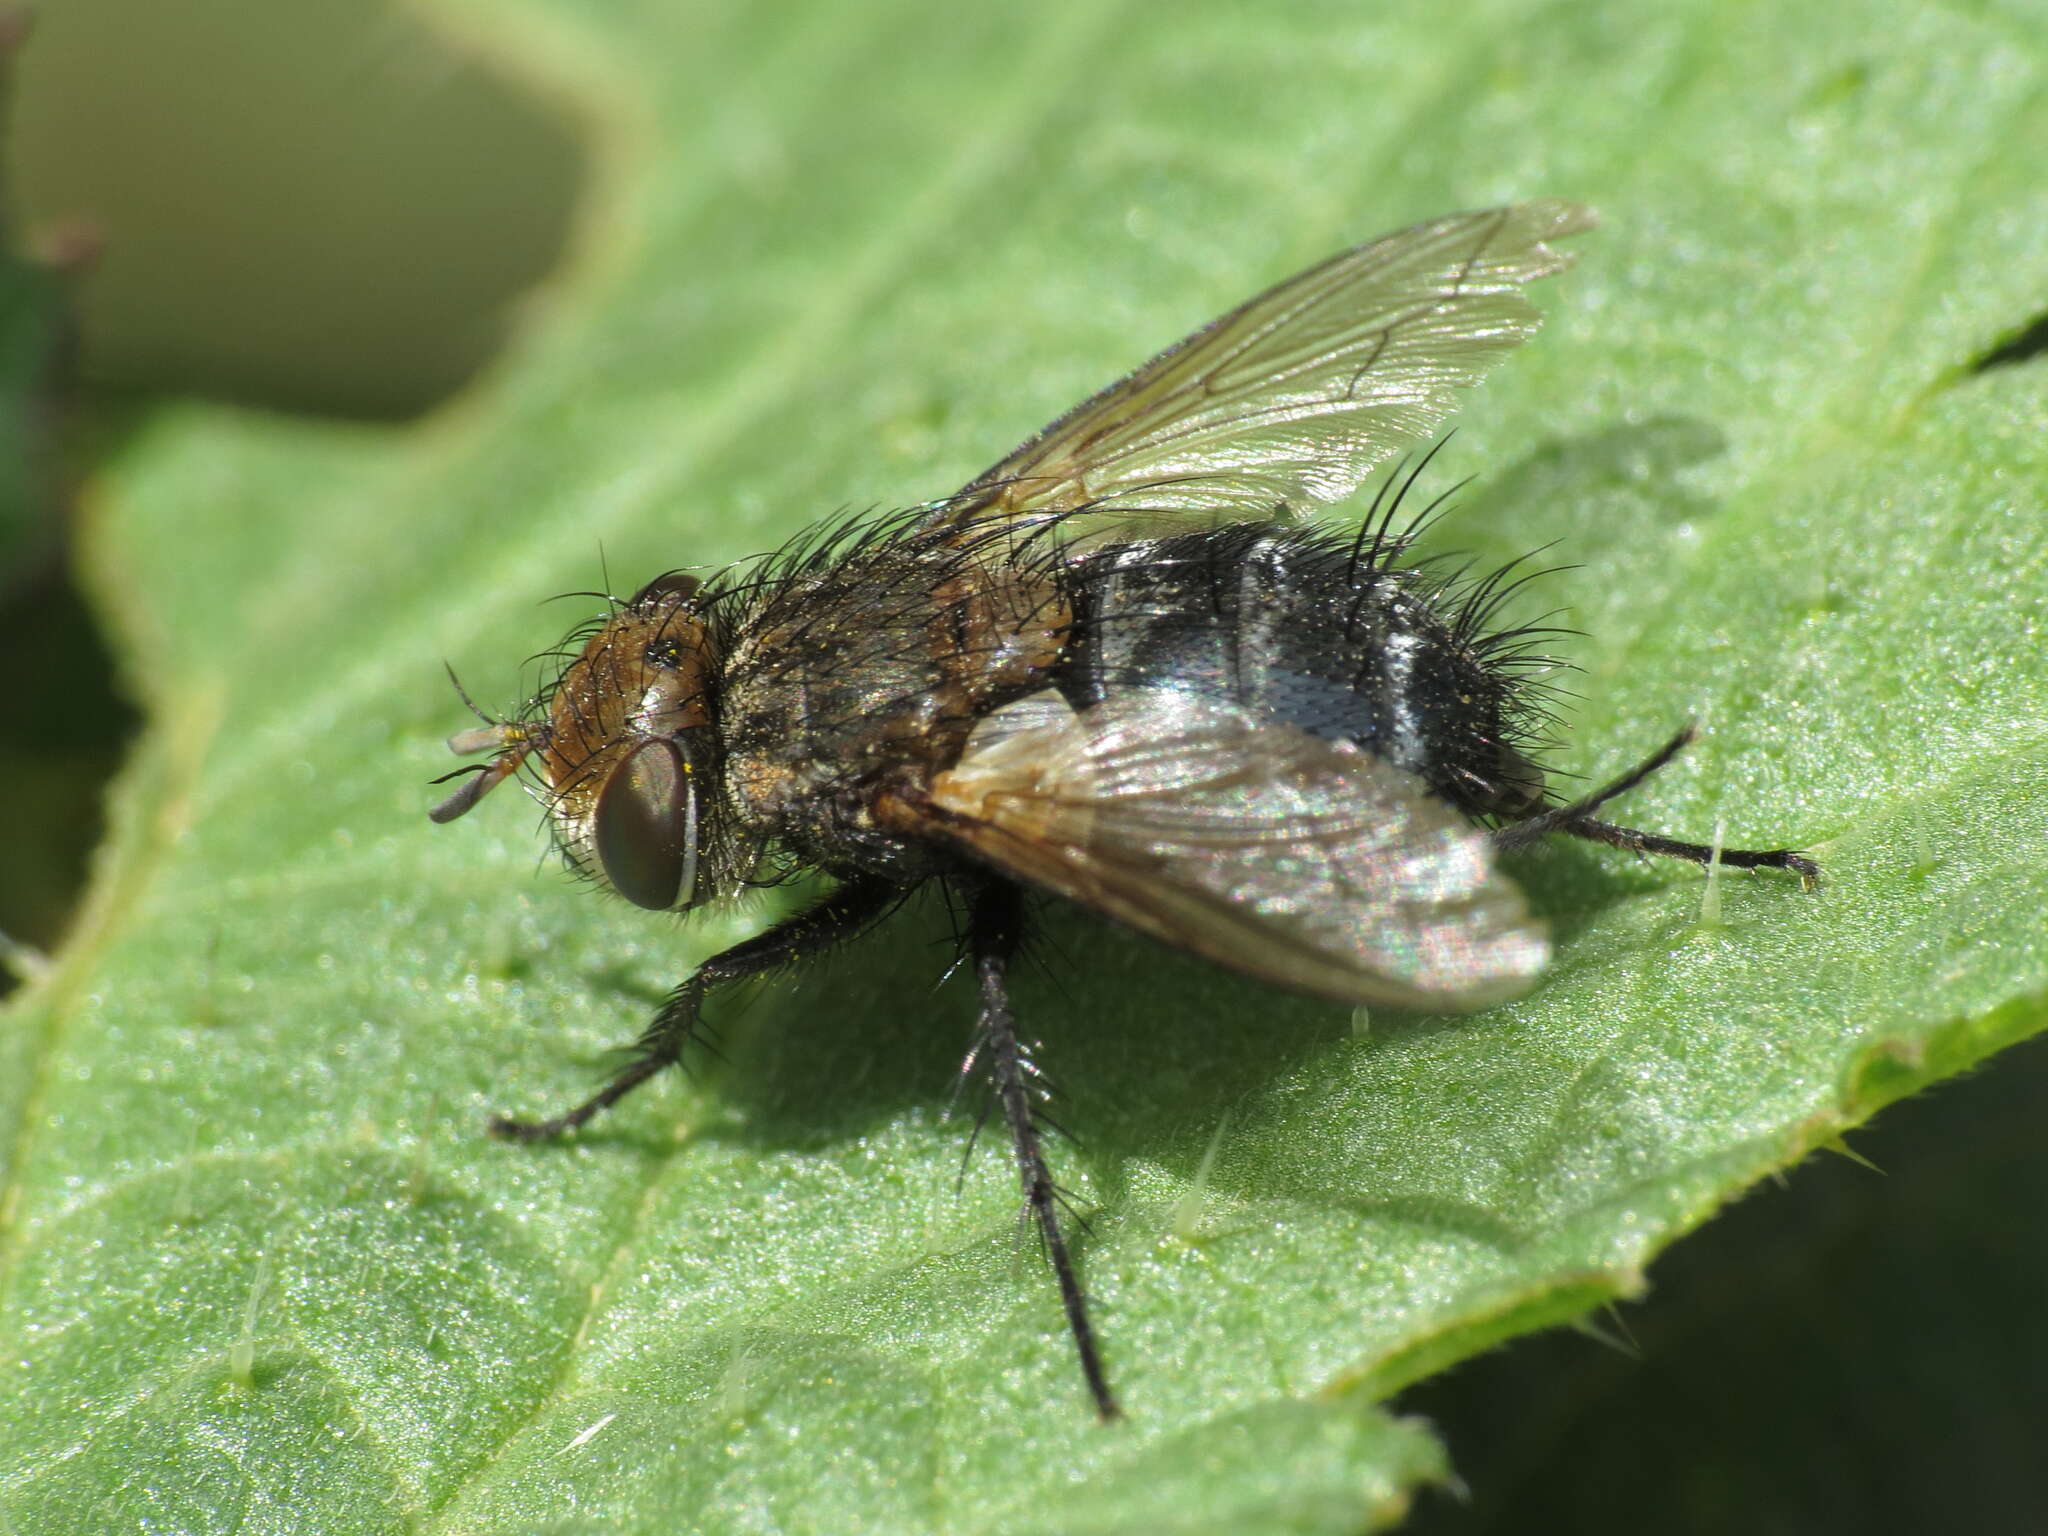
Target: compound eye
{"x":646,"y":828}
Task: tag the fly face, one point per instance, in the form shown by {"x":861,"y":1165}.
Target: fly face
{"x":627,"y":751}
{"x":1115,"y":669}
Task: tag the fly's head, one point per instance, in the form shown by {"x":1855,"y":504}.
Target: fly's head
{"x":626,"y":749}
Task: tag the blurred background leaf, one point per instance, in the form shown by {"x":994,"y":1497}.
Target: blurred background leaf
{"x":64,"y":727}
{"x":647,"y":286}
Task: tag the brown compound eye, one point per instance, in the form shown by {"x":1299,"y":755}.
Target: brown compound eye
{"x":645,"y":829}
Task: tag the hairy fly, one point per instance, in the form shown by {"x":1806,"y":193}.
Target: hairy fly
{"x":1118,"y":668}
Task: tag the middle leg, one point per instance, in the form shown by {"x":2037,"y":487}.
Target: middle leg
{"x":995,"y":920}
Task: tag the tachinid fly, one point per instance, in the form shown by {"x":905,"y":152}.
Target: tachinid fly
{"x":1113,"y":668}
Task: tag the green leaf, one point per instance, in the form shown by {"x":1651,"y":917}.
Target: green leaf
{"x":260,"y":1269}
{"x":1844,"y":1351}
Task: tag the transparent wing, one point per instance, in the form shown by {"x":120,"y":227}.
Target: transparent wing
{"x":1290,"y":401}
{"x":1305,"y":863}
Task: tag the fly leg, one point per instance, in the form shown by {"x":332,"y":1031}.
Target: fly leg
{"x":838,"y":917}
{"x":994,"y":924}
{"x":1577,"y":820}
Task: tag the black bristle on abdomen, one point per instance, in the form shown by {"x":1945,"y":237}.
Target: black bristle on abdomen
{"x":1327,"y":633}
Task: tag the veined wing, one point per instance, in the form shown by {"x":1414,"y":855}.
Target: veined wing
{"x":1305,"y":863}
{"x":1289,"y":401}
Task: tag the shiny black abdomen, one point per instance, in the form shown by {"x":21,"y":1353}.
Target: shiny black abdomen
{"x":1324,"y":634}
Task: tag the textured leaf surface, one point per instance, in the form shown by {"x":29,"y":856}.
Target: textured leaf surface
{"x":260,"y":1270}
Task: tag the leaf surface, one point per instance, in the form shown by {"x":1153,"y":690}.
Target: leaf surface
{"x":260,"y":1270}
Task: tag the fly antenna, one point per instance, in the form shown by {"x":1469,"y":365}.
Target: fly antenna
{"x":468,"y":703}
{"x":510,"y":742}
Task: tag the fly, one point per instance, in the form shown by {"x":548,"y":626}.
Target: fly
{"x":1117,"y":668}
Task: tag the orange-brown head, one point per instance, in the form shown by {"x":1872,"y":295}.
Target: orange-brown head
{"x":627,"y":750}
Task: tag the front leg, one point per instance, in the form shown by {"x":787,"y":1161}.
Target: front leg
{"x":838,"y":917}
